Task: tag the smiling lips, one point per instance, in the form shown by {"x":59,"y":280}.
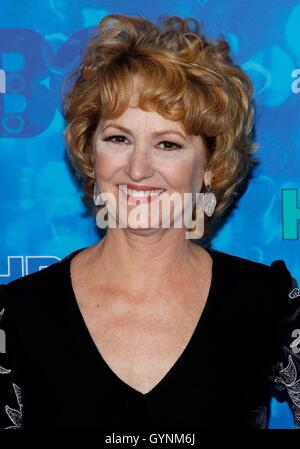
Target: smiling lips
{"x":142,"y":194}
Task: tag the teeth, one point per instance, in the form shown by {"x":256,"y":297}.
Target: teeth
{"x":140,"y":193}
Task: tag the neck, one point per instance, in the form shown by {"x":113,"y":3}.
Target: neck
{"x":145,"y":261}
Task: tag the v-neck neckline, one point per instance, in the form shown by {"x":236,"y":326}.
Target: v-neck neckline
{"x":199,"y":328}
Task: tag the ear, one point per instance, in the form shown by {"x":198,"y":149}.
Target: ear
{"x":207,"y":177}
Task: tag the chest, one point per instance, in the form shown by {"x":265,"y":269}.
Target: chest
{"x":140,"y":339}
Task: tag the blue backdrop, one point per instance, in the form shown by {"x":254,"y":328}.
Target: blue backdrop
{"x":42,"y":216}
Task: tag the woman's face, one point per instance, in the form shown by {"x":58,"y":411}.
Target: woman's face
{"x":142,"y":148}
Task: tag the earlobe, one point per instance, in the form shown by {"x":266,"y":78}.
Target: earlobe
{"x":207,"y":177}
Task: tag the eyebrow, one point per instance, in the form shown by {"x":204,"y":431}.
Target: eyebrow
{"x":155,"y":134}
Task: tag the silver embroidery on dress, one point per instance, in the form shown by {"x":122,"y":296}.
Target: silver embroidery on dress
{"x":288,"y":376}
{"x":295,"y":293}
{"x":14,"y":415}
{"x":4,"y":370}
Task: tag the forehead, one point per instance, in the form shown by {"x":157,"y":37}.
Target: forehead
{"x":137,"y":101}
{"x":135,"y":117}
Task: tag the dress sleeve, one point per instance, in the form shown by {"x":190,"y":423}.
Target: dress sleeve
{"x":286,"y":369}
{"x":10,"y":392}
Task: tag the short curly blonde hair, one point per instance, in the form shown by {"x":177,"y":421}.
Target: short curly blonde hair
{"x":185,"y":76}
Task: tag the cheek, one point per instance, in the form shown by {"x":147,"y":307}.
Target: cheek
{"x":186,"y":174}
{"x":197,"y":171}
{"x":106,"y":164}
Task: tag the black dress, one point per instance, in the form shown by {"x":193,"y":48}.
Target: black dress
{"x":241,"y":352}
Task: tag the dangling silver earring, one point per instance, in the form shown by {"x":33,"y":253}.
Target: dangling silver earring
{"x":209,"y":201}
{"x":97,"y":195}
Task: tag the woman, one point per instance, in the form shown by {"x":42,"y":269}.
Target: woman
{"x":149,"y":329}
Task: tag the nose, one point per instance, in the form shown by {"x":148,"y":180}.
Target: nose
{"x":139,"y":165}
